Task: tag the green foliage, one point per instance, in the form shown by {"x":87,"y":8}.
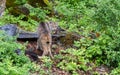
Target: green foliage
{"x":23,"y":14}
{"x":27,"y":25}
{"x":108,"y":12}
{"x":97,"y":21}
{"x":72,"y":61}
{"x":103,"y":49}
{"x":20,"y":2}
{"x":41,"y":14}
{"x":95,"y":17}
{"x":116,"y":71}
{"x":10,"y":62}
{"x":47,"y":62}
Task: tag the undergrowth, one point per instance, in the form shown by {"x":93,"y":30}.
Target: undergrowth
{"x":97,"y":21}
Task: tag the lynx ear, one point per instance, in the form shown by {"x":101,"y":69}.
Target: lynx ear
{"x":41,"y":26}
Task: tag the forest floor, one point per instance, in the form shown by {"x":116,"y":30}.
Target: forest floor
{"x":31,"y":46}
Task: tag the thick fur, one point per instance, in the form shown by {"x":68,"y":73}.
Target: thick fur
{"x":2,"y":6}
{"x":44,"y":41}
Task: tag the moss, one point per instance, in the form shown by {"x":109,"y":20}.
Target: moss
{"x":36,"y":3}
{"x":69,"y":39}
{"x":10,"y":3}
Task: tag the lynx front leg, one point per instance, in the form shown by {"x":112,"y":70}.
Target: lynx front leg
{"x":44,"y":53}
{"x":50,"y":54}
{"x":37,"y":45}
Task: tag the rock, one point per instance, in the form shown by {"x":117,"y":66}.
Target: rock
{"x":18,"y":51}
{"x":13,"y":30}
{"x":17,"y":10}
{"x":25,"y":35}
{"x":37,"y":3}
{"x":10,"y":29}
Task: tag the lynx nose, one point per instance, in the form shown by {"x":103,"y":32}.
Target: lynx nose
{"x":47,"y":42}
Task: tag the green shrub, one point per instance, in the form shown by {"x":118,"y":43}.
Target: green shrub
{"x":88,"y":18}
{"x":94,"y":17}
{"x":10,"y":62}
{"x":29,"y":25}
{"x":24,"y":15}
{"x":72,"y":61}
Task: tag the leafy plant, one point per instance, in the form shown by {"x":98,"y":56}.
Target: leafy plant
{"x":12,"y":63}
{"x":72,"y":61}
{"x":95,"y":21}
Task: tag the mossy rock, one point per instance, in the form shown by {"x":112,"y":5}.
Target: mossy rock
{"x":19,"y":10}
{"x":69,"y":39}
{"x":11,"y":3}
{"x":37,"y":3}
{"x":16,"y":8}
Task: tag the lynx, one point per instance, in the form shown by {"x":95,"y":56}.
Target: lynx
{"x":44,"y":41}
{"x":2,"y":6}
